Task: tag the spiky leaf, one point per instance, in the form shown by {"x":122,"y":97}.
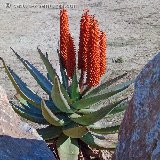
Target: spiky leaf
{"x":120,"y":108}
{"x":97,"y":143}
{"x":86,"y":111}
{"x":51,"y":71}
{"x":21,"y":87}
{"x":52,"y":118}
{"x":37,"y":118}
{"x":104,"y":85}
{"x":63,"y":73}
{"x":105,"y":130}
{"x":59,"y":99}
{"x":25,"y":92}
{"x":93,"y":117}
{"x":50,"y":132}
{"x":120,"y":86}
{"x":20,"y":99}
{"x":65,"y":94}
{"x":52,"y":106}
{"x":38,"y":76}
{"x":64,"y":77}
{"x":74,"y":90}
{"x":74,"y":130}
{"x":68,"y":148}
{"x":36,"y":109}
{"x":86,"y":102}
{"x":27,"y":105}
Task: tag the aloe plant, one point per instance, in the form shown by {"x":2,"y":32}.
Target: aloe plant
{"x":69,"y":113}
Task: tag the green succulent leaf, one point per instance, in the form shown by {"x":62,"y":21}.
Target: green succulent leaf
{"x":21,"y":100}
{"x":105,"y":130}
{"x":64,"y":78}
{"x":51,"y":71}
{"x":50,"y":132}
{"x":86,"y":111}
{"x":65,"y":94}
{"x":120,"y":87}
{"x":86,"y":102}
{"x":21,"y":87}
{"x":37,"y":118}
{"x":52,"y":106}
{"x":59,"y":99}
{"x":37,"y":108}
{"x":63,"y":73}
{"x":38,"y":76}
{"x":26,"y":105}
{"x":74,"y":130}
{"x":52,"y":118}
{"x":68,"y":148}
{"x":27,"y":94}
{"x":95,"y":142}
{"x":93,"y":117}
{"x":104,"y":85}
{"x":120,"y":108}
{"x":74,"y":89}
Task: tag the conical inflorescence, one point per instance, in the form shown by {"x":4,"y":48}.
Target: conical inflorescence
{"x":93,"y":64}
{"x":103,"y":46}
{"x":91,"y":52}
{"x":64,"y":34}
{"x":67,"y":48}
{"x":85,"y":24}
{"x":71,"y":57}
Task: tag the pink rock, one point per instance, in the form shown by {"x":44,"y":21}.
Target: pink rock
{"x":139,"y":134}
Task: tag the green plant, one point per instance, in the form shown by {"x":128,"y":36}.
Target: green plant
{"x":70,"y":111}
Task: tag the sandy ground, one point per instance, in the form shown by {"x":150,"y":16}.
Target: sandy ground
{"x":132,"y":26}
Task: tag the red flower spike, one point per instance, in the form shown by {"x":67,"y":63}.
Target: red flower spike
{"x":103,"y":46}
{"x":83,"y":41}
{"x":93,"y":57}
{"x":64,"y":36}
{"x":71,"y":57}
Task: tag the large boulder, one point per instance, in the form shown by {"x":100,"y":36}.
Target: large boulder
{"x":19,"y":141}
{"x":139,"y":135}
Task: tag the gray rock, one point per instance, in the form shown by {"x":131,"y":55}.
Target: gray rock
{"x":19,"y":141}
{"x":139,"y":135}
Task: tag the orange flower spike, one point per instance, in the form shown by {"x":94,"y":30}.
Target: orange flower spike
{"x":93,"y":59}
{"x":80,"y":43}
{"x":83,"y":43}
{"x":103,"y":47}
{"x":64,"y":33}
{"x":71,"y":57}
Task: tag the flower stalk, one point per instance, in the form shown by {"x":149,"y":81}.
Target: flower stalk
{"x":103,"y":47}
{"x":91,"y":52}
{"x":64,"y":36}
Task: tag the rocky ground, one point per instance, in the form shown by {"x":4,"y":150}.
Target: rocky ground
{"x":132,"y":27}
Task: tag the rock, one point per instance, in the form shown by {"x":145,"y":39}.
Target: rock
{"x":19,"y":141}
{"x":139,"y":134}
